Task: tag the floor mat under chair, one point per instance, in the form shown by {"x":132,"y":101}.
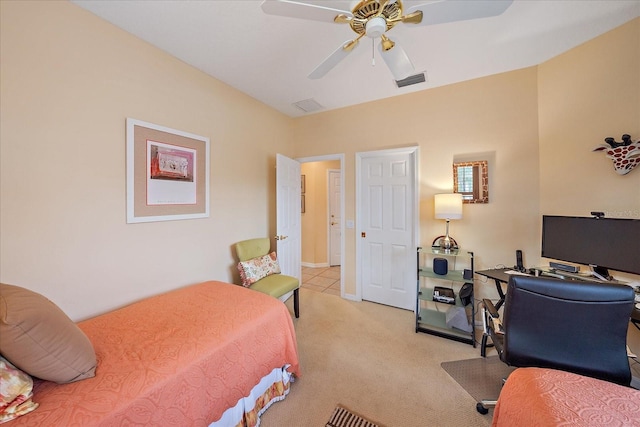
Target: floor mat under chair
{"x":481,"y":377}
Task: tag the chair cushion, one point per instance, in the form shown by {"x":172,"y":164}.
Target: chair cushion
{"x":276,"y":285}
{"x":258,"y":268}
{"x":252,"y":248}
{"x":40,"y":339}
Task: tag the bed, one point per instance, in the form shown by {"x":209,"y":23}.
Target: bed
{"x":208,"y":354}
{"x":548,"y":397}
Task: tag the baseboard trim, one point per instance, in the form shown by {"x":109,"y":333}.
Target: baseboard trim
{"x":351,"y":297}
{"x":313,"y":265}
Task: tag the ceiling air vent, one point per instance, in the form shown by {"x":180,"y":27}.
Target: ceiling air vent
{"x":308,"y":105}
{"x":411,"y":80}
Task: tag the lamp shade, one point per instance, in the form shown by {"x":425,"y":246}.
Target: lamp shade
{"x":448,"y":206}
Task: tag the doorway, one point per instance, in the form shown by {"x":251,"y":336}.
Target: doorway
{"x":322,"y":228}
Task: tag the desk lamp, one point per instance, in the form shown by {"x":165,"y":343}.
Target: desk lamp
{"x":447,"y":206}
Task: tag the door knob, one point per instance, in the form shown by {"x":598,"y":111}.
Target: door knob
{"x":281,"y":237}
{"x":363,"y":234}
{"x":333,"y":223}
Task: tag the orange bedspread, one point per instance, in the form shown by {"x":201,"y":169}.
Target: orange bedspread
{"x":547,"y":397}
{"x":180,"y":359}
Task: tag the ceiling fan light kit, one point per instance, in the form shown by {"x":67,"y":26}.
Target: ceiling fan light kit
{"x":375,"y":27}
{"x":386,"y":43}
{"x":397,"y":61}
{"x":374,"y":18}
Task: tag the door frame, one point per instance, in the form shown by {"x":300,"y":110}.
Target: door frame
{"x":339,"y":157}
{"x":329,"y":240}
{"x":414,"y":151}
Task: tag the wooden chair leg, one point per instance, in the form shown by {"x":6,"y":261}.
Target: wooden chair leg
{"x":296,"y":302}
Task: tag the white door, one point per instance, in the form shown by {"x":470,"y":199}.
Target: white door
{"x":335,"y":219}
{"x":288,"y":216}
{"x":387,"y":227}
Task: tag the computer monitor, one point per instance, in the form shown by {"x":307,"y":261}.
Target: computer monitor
{"x":602,"y":243}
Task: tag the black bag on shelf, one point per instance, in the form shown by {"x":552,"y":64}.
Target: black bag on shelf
{"x":465,"y":294}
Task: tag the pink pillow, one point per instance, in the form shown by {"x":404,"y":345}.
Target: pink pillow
{"x":258,"y":268}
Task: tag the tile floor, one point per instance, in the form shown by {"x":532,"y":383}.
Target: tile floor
{"x":322,"y":279}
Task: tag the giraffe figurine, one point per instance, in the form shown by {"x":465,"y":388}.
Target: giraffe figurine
{"x":625,"y":154}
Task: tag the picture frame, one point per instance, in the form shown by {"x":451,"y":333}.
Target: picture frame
{"x":302,"y":204}
{"x":303,"y":184}
{"x":167,"y":173}
{"x":471,"y":179}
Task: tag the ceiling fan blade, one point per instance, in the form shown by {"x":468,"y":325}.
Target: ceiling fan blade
{"x":294,"y":9}
{"x":450,"y":11}
{"x":397,"y":61}
{"x":332,"y":60}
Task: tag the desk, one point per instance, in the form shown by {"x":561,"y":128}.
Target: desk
{"x":500,"y":276}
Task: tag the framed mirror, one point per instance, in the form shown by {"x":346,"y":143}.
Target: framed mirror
{"x":471,"y":179}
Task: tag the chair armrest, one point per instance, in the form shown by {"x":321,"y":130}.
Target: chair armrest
{"x":494,"y":316}
{"x":492,"y":328}
{"x":491,"y":309}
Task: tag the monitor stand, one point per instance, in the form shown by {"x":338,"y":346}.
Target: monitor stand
{"x":589,"y":276}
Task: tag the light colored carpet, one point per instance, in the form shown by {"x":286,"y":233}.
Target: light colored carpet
{"x":368,"y":358}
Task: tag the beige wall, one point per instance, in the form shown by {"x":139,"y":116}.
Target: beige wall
{"x":585,"y":95}
{"x":536,"y":126}
{"x":496,"y":116}
{"x":69,"y":80}
{"x":314,"y":220}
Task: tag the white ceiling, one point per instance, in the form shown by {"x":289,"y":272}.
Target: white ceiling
{"x":269,"y":57}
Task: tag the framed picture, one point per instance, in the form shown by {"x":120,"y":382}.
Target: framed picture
{"x":167,"y":173}
{"x":303,"y":183}
{"x":302,"y":203}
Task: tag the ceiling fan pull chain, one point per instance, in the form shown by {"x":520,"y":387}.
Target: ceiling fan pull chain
{"x":373,"y":53}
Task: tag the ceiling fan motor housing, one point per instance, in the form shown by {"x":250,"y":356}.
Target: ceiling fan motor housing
{"x":367,"y":22}
{"x":376,"y":27}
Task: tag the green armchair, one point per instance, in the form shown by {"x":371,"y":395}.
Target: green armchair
{"x":275,"y":284}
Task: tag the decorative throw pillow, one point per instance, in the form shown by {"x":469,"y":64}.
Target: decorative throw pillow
{"x":40,"y":339}
{"x":16,"y":390}
{"x":257,"y":268}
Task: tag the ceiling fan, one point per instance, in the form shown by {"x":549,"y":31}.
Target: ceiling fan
{"x":374,"y":18}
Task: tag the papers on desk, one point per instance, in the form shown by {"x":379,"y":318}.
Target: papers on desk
{"x":515,"y":272}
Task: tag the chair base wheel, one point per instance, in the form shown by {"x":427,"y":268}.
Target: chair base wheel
{"x":481,"y":409}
